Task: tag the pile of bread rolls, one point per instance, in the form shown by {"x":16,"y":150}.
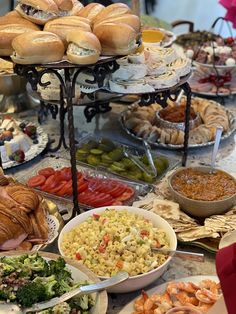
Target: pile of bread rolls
{"x":43,"y":31}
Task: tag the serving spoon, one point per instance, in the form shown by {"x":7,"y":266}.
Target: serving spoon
{"x":219,"y":131}
{"x":105,"y":284}
{"x":198,"y":257}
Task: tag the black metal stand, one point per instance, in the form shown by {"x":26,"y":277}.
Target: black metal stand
{"x":67,"y":93}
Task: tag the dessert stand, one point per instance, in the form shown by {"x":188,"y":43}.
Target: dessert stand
{"x":105,"y":66}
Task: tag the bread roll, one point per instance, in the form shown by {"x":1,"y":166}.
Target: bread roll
{"x":129,"y":19}
{"x":10,"y":27}
{"x":42,"y":11}
{"x":13,"y":14}
{"x":91,"y":11}
{"x":37,"y":48}
{"x":84,"y":47}
{"x":38,"y":11}
{"x":77,"y":7}
{"x":65,"y":5}
{"x":116,"y":39}
{"x":62,"y":26}
{"x":112,"y":10}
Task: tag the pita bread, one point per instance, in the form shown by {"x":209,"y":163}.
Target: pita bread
{"x":221,"y":223}
{"x":196,"y":233}
{"x":166,"y":209}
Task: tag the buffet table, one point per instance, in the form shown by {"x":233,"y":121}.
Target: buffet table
{"x":108,"y":125}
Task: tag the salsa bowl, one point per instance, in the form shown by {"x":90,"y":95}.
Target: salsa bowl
{"x":190,"y":199}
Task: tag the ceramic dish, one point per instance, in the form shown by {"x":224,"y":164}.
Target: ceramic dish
{"x":34,"y":150}
{"x":79,"y":273}
{"x":129,"y":308}
{"x":199,"y":208}
{"x":134,"y":282}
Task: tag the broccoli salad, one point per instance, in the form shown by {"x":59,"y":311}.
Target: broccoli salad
{"x":28,"y":279}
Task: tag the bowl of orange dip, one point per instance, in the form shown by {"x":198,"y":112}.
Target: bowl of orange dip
{"x":201,"y":193}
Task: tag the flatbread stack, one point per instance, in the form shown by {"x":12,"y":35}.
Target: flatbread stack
{"x":6,"y":67}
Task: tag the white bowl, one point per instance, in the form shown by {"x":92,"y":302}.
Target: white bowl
{"x":135,"y":282}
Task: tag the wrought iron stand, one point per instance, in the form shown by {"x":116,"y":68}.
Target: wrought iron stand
{"x":67,"y":81}
{"x":67,"y":75}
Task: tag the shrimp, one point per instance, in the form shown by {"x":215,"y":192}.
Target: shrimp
{"x":185,"y":299}
{"x":174,"y":287}
{"x":148,"y":305}
{"x":139,"y":302}
{"x":204,"y":307}
{"x":206,"y":296}
{"x":210,"y":285}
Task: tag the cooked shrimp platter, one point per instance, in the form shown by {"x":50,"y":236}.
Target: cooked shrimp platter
{"x":191,"y":295}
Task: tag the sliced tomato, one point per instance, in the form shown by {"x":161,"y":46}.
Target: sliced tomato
{"x":101,"y":200}
{"x":36,"y":181}
{"x":46,"y":172}
{"x":50,"y":183}
{"x":66,"y":189}
{"x":65,"y":173}
{"x":57,"y":188}
{"x":128,"y":194}
{"x":85,"y":197}
{"x":82,"y":186}
{"x":118,"y":190}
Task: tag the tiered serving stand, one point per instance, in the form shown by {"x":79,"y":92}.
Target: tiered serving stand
{"x":67,"y":74}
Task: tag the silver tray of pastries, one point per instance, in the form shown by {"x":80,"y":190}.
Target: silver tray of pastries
{"x":141,"y":123}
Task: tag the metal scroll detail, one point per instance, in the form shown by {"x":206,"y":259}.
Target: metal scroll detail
{"x":90,"y":111}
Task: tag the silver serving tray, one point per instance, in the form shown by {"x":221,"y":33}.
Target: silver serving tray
{"x":232,"y":128}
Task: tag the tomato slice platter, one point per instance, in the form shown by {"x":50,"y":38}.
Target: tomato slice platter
{"x":95,"y":189}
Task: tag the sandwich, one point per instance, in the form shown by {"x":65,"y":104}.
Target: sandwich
{"x":63,"y":25}
{"x":111,"y":11}
{"x":37,"y":48}
{"x":91,"y":11}
{"x":38,"y":11}
{"x":11,"y":27}
{"x":42,"y":11}
{"x":164,"y":80}
{"x":83,"y":47}
{"x":116,"y":39}
{"x":130,"y":87}
{"x":129,"y":19}
{"x":130,"y":72}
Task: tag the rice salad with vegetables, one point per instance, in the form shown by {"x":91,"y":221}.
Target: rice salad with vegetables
{"x":116,"y":240}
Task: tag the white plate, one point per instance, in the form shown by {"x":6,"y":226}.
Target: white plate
{"x":129,"y":308}
{"x":34,"y":150}
{"x":79,"y":273}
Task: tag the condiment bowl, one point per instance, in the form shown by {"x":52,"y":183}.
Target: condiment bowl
{"x":134,"y":282}
{"x":177,"y":125}
{"x":198,"y":208}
